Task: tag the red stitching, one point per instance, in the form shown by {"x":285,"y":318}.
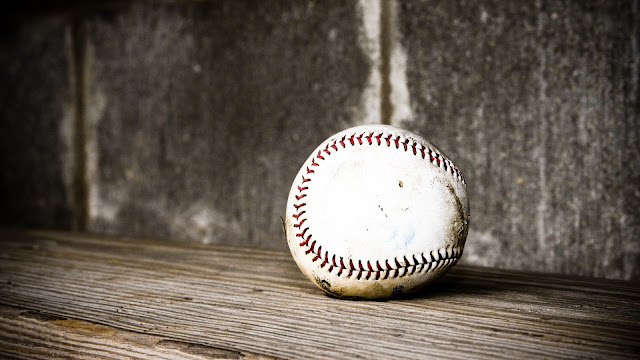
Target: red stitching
{"x":310,"y":250}
{"x":361,"y":270}
{"x":302,"y":233}
{"x":435,"y":156}
{"x":442,"y":257}
{"x":369,"y":138}
{"x":306,"y":241}
{"x":388,"y":138}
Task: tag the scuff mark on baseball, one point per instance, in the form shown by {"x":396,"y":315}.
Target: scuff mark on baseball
{"x":376,"y":212}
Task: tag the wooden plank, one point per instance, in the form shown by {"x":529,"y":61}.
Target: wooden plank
{"x":256,"y":301}
{"x":37,"y":335}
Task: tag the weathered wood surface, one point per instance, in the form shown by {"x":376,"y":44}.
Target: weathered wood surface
{"x":38,"y":335}
{"x":88,"y":296}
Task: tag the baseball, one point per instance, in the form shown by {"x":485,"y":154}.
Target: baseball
{"x":376,"y":212}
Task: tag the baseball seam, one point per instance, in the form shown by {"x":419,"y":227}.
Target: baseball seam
{"x":436,"y":259}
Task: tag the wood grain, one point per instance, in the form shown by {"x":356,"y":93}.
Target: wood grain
{"x":39,"y":335}
{"x":249,"y":301}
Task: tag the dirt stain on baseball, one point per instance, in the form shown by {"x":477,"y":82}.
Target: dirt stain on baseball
{"x":326,"y":286}
{"x":460,"y":229}
{"x":381,"y":209}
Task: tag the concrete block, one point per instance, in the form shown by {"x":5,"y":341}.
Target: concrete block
{"x":36,"y":124}
{"x":538,"y":103}
{"x":200,"y":113}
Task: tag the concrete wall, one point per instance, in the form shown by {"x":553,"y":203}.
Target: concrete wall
{"x":189,"y":119}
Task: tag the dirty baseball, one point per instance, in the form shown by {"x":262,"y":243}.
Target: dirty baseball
{"x":376,"y":212}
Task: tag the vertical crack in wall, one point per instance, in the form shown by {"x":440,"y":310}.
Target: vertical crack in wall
{"x":385,"y":99}
{"x":386,"y":107}
{"x":399,"y":97}
{"x":80,"y":198}
{"x":369,"y":41}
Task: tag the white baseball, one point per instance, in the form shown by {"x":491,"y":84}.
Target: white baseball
{"x":376,"y":211}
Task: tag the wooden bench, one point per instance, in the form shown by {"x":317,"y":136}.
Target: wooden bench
{"x":75,"y":295}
